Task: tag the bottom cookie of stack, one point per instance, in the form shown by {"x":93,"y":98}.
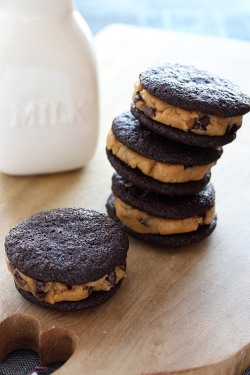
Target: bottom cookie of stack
{"x":159,"y":219}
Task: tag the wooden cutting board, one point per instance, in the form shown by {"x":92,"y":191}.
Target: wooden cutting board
{"x":183,"y":311}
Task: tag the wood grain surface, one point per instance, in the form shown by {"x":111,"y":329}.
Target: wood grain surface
{"x":180,"y":311}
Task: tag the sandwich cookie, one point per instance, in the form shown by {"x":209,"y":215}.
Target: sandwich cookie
{"x":159,"y":219}
{"x":145,"y":182}
{"x":67,"y":259}
{"x":189,"y":105}
{"x":164,"y":166}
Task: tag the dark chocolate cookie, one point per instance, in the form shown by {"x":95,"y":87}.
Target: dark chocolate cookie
{"x":181,"y":136}
{"x":130,"y":132}
{"x":72,"y":246}
{"x":173,"y":240}
{"x":136,"y":177}
{"x":192,"y":89}
{"x":159,"y":205}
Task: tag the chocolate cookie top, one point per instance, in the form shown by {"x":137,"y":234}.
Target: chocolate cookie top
{"x":159,"y":205}
{"x":192,"y":89}
{"x":140,"y":139}
{"x":68,"y":245}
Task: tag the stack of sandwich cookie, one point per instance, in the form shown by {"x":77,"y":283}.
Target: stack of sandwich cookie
{"x":163,"y":151}
{"x":159,"y":193}
{"x":67,"y":259}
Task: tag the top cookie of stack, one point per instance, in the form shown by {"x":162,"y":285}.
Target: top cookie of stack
{"x":188,"y":105}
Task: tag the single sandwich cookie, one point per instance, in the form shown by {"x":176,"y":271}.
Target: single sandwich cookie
{"x":159,"y":219}
{"x":67,"y":259}
{"x":136,"y":177}
{"x":178,"y":135}
{"x":189,"y":105}
{"x":157,"y":157}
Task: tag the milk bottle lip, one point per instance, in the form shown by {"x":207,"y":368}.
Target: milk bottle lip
{"x":36,"y":7}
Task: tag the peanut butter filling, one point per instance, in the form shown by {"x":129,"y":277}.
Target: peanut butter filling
{"x":54,"y":291}
{"x":159,"y":171}
{"x":141,"y":222}
{"x":194,"y":121}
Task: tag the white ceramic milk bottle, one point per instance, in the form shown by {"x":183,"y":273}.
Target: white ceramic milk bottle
{"x":48,"y":88}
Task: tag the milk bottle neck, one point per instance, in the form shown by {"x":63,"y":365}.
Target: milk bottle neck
{"x":36,"y":7}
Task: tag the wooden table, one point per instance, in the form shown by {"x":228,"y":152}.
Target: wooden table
{"x":180,"y":311}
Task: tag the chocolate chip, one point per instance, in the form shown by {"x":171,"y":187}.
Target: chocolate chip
{"x":138,"y":97}
{"x":144,"y":222}
{"x":19,"y":279}
{"x":204,"y":121}
{"x":39,"y":286}
{"x":149,"y":112}
{"x":69,"y":286}
{"x":90,"y":290}
{"x":201,"y":122}
{"x":196,"y":125}
{"x":39,"y":289}
{"x":232,"y":128}
{"x":111,"y":279}
{"x":41,"y":296}
{"x":235,"y":127}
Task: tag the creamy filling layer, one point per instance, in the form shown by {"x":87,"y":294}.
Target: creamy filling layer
{"x":141,"y":222}
{"x":54,"y":291}
{"x":170,"y":173}
{"x":194,"y":121}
